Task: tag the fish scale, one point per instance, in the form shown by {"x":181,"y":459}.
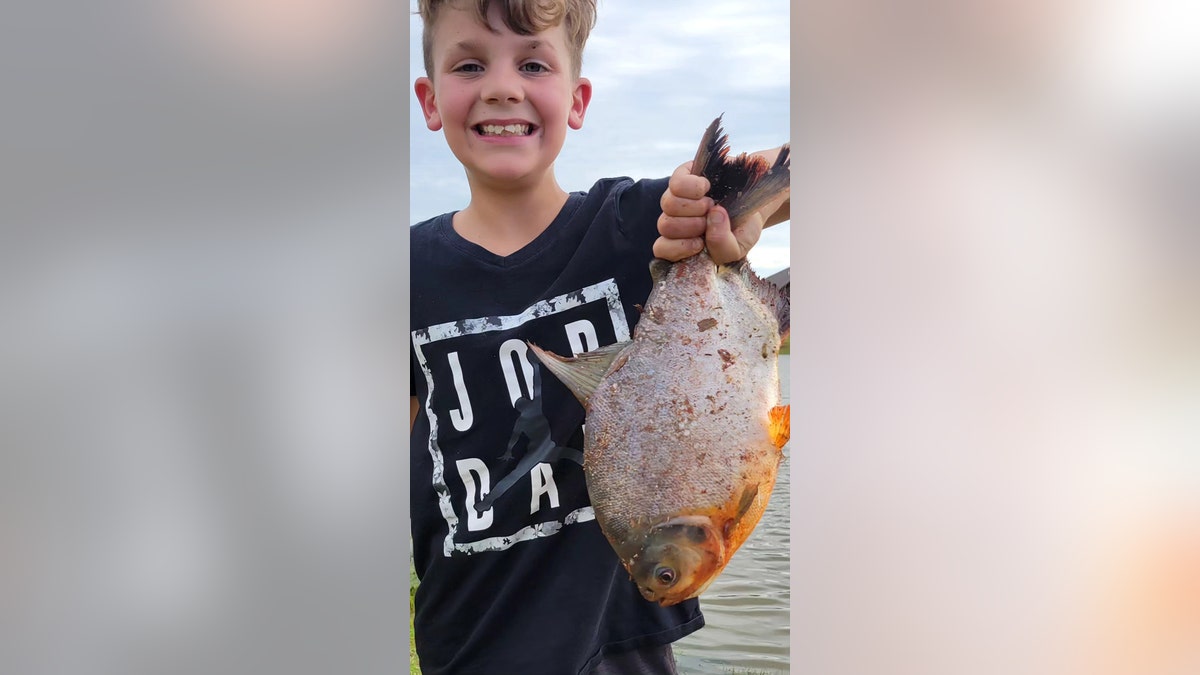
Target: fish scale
{"x":705,"y":395}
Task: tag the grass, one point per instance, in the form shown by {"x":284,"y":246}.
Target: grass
{"x":785,"y":349}
{"x":413,"y":666}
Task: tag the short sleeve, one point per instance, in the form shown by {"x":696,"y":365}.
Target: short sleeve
{"x":638,"y":207}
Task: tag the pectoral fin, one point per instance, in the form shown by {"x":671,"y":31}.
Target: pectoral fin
{"x":582,"y":373}
{"x":747,"y":499}
{"x":781,"y":425}
{"x":744,"y":504}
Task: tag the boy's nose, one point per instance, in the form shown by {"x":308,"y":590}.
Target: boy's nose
{"x":503,"y":87}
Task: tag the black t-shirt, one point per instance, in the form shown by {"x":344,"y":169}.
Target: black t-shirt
{"x":528,"y":585}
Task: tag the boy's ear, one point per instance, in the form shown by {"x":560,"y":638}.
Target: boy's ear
{"x":579,"y":102}
{"x":424,"y":89}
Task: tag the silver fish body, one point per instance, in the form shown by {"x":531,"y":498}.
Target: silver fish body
{"x":684,"y":425}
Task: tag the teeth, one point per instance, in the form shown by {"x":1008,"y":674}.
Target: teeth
{"x":506,"y":130}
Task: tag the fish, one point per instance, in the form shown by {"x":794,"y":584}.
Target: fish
{"x":683,"y":428}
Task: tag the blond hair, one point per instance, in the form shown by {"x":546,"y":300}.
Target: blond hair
{"x":523,"y":17}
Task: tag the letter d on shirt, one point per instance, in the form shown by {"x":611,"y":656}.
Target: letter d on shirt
{"x":467,"y":469}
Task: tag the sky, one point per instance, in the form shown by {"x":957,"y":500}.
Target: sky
{"x":661,"y":72}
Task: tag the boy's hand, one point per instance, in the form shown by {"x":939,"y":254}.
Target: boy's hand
{"x":682,"y":223}
{"x":689,"y":222}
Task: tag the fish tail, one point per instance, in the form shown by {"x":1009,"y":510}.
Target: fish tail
{"x":710,"y":156}
{"x":751,"y":183}
{"x":744,"y":184}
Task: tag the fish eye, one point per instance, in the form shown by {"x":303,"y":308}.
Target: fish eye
{"x":665,"y":575}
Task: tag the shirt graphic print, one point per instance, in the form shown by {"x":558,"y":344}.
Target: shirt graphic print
{"x":482,"y":379}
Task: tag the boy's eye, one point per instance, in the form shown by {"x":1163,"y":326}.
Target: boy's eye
{"x":469,"y":68}
{"x":534,"y":67}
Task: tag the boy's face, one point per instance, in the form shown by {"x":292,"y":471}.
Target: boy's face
{"x":504,"y":100}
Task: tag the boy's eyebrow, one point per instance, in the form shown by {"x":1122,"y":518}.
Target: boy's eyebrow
{"x":466,"y":46}
{"x":471,"y":45}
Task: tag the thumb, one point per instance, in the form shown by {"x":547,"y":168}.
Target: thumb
{"x":723,"y":246}
{"x":748,"y":229}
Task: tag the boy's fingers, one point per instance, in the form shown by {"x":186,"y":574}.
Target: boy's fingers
{"x":676,"y":205}
{"x":686,"y":185}
{"x":677,"y":249}
{"x":673,"y":227}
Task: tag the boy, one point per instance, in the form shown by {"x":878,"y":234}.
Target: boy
{"x":516,"y":578}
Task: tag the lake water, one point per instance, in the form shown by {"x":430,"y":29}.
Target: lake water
{"x":746,"y":609}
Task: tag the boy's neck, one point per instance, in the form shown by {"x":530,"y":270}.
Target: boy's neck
{"x":504,"y":221}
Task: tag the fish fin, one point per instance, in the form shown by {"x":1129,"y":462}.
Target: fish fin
{"x":714,"y":146}
{"x":778,"y":300}
{"x":747,"y":500}
{"x":750,"y":183}
{"x":783,"y":310}
{"x":745,"y":183}
{"x":744,"y":504}
{"x":659,"y":269}
{"x":582,"y":373}
{"x":781,"y":425}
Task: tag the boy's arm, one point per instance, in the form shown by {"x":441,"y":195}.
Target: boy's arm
{"x":689,"y":223}
{"x":412,"y":418}
{"x":783,"y":211}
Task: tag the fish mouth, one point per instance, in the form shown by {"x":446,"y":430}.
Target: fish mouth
{"x":504,"y":129}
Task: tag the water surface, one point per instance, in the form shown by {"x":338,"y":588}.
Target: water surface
{"x":746,"y":609}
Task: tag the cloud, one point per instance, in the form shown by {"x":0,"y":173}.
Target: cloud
{"x":740,"y":47}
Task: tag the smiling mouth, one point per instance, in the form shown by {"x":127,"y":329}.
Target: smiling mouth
{"x":504,"y":129}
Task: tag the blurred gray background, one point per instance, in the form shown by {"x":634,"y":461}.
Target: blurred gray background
{"x":203,"y":264}
{"x":203,"y":348}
